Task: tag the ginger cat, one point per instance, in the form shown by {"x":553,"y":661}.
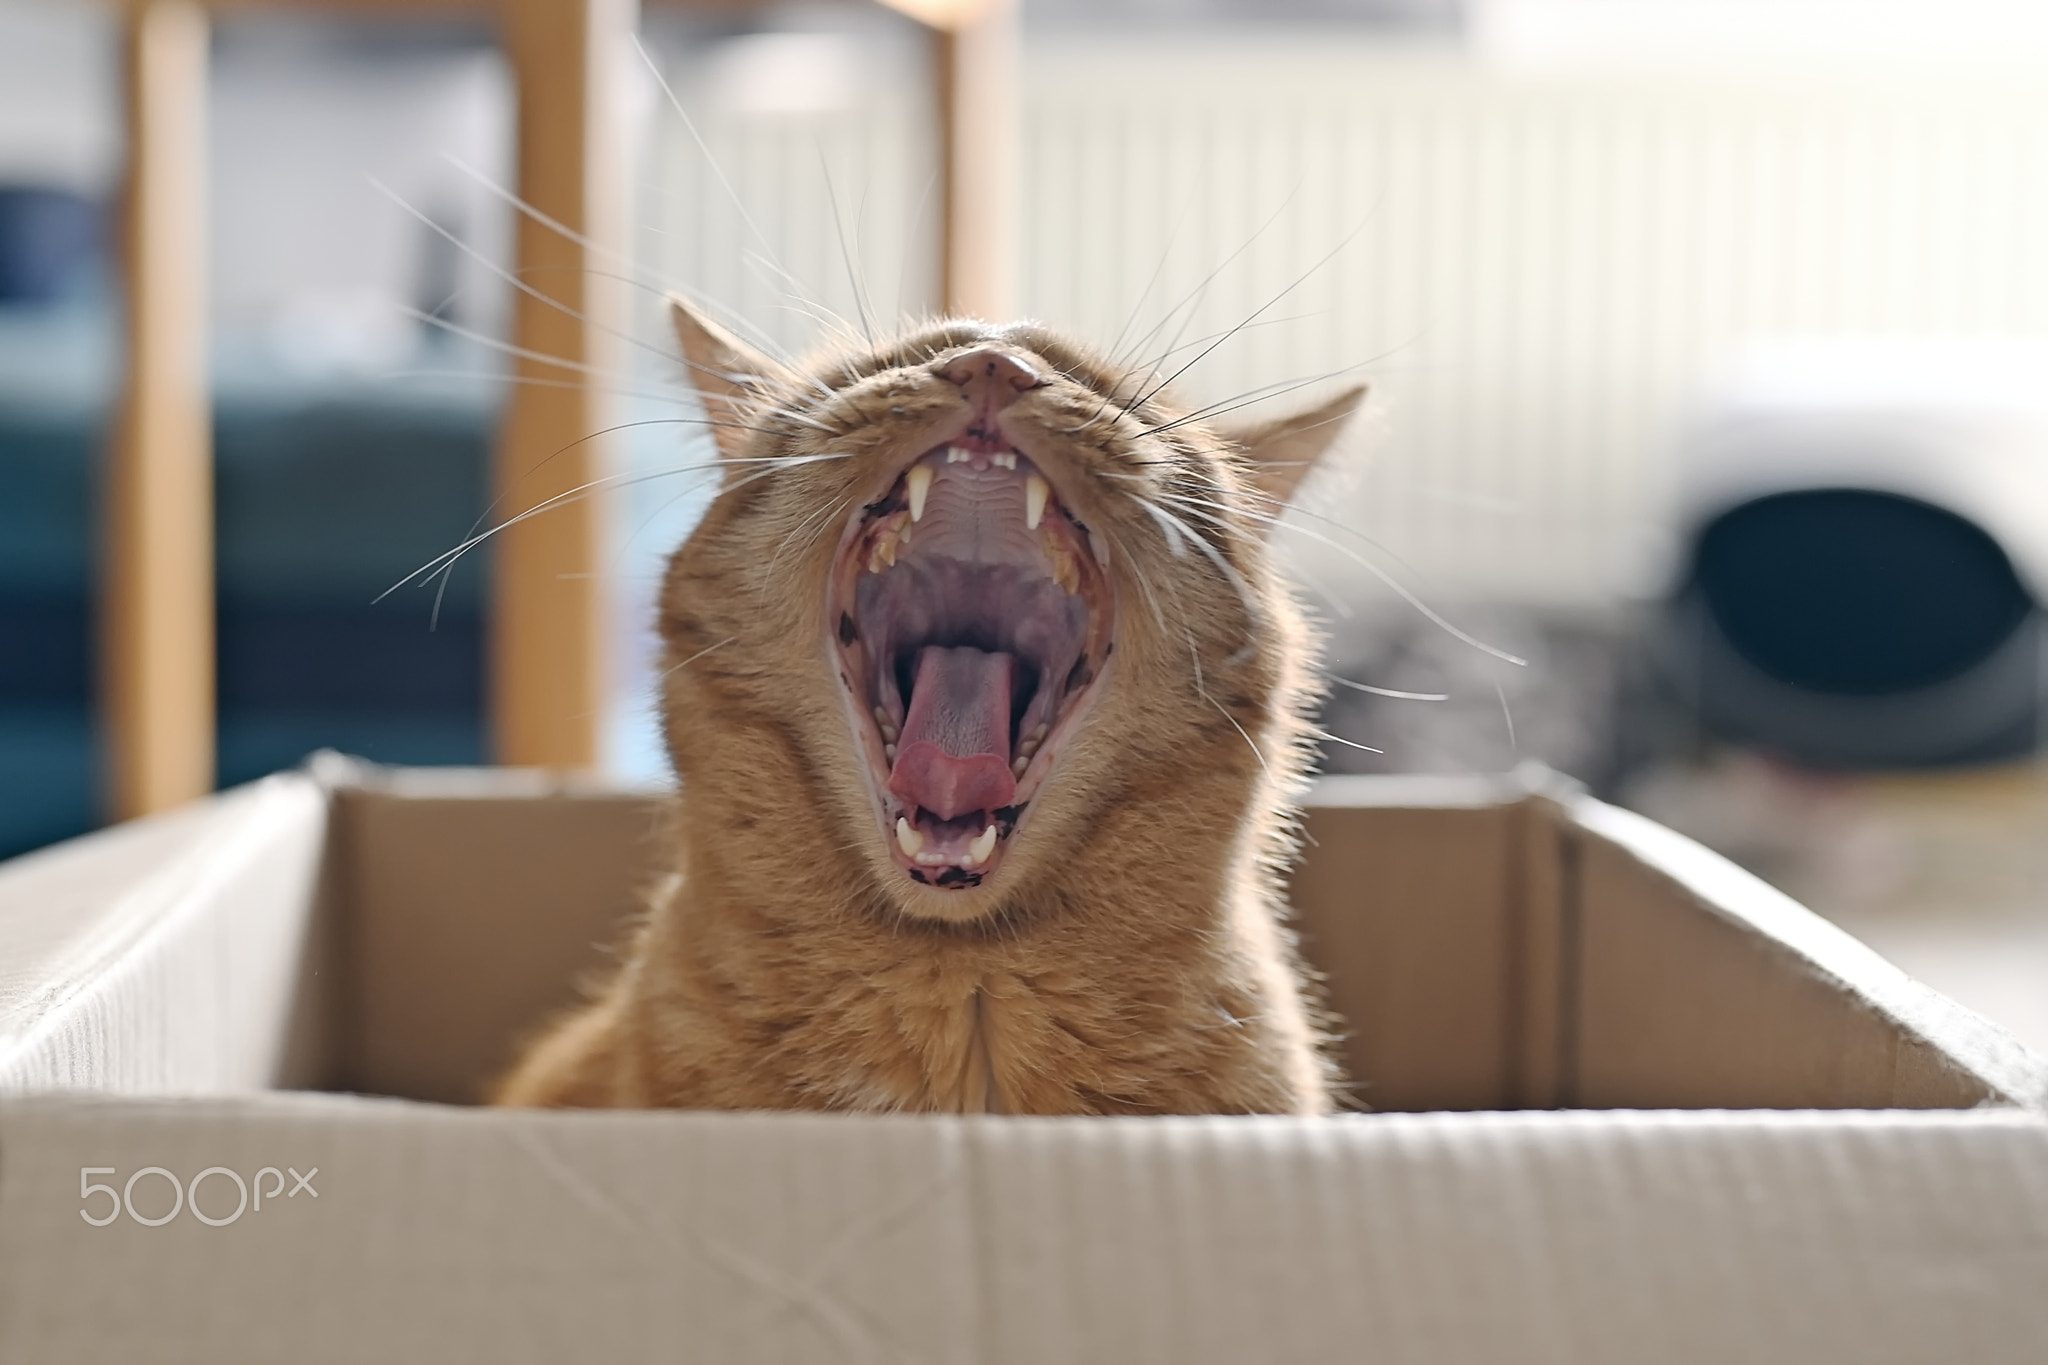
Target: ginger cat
{"x":987,"y":708}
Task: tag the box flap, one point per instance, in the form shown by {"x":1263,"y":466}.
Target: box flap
{"x":441,"y":1234}
{"x":1697,"y":982}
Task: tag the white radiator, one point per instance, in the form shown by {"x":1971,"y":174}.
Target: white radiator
{"x":1537,"y":273}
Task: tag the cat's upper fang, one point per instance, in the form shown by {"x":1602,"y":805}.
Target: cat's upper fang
{"x":918,"y":483}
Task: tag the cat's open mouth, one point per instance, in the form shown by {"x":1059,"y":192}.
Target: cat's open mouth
{"x":970,"y":616}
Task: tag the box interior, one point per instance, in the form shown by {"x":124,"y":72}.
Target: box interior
{"x":1485,"y":948}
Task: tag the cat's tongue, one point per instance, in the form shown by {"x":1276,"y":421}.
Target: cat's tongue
{"x":953,"y":756}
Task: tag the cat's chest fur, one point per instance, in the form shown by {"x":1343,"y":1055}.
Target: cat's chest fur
{"x":863,"y":1016}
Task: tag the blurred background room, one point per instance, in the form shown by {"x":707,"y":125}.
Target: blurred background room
{"x":1708,"y":453}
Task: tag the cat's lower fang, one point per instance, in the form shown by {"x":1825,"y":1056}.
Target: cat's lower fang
{"x":908,"y":838}
{"x":978,"y":851}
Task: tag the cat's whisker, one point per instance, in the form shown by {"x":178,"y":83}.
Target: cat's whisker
{"x":1223,"y":566}
{"x":512,"y":278}
{"x":655,"y":515}
{"x":1347,"y":743}
{"x":912,"y":238}
{"x":1507,"y":714}
{"x":1332,"y":599}
{"x":1201,"y":685}
{"x":791,"y":414}
{"x":1288,"y":517}
{"x":505,"y":347}
{"x":536,"y":381}
{"x":1278,"y":388}
{"x":1401,"y":589}
{"x":797,"y":303}
{"x":657,"y":285}
{"x":1387,"y":691}
{"x":561,"y":229}
{"x":846,"y":504}
{"x":447,"y":558}
{"x":739,"y":205}
{"x":1116,"y":348}
{"x":822,"y":515}
{"x":1195,"y":508}
{"x":853,"y":280}
{"x":1214,"y":336}
{"x":1109,"y":400}
{"x":1144,"y":586}
{"x":1295,"y":284}
{"x":1192,"y":301}
{"x":674,"y":669}
{"x":1224,"y":712}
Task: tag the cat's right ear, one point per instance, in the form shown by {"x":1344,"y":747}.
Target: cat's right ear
{"x":1283,"y":449}
{"x":726,"y":371}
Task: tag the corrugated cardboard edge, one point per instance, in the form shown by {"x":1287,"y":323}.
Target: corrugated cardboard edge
{"x":130,"y":977}
{"x":443,"y":1234}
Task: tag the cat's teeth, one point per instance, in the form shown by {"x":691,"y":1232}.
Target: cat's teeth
{"x":1064,"y":571}
{"x":908,"y":839}
{"x":978,"y":851}
{"x":889,"y":752}
{"x":1005,"y":458}
{"x":919,"y":481}
{"x":1018,"y":765}
{"x":1035,"y":491}
{"x":955,"y":455}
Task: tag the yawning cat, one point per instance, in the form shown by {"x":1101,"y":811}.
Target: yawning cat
{"x":987,"y":708}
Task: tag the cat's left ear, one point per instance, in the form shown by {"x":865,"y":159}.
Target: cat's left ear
{"x":725,"y":371}
{"x":1284,"y":449}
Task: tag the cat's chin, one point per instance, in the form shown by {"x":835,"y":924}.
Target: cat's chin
{"x":970,"y":617}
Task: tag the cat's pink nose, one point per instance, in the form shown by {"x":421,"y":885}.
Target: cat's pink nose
{"x":991,"y":379}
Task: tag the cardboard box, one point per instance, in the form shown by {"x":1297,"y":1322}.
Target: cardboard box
{"x":1633,"y":1106}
